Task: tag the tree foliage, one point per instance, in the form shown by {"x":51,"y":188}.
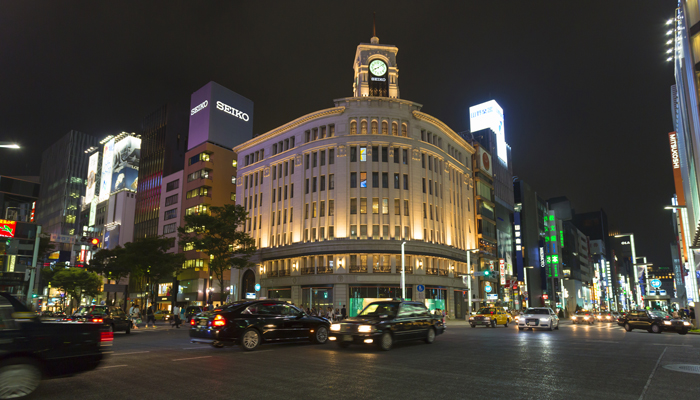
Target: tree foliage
{"x":111,"y":263}
{"x":148,"y":258}
{"x":221,"y":236}
{"x":77,"y":282}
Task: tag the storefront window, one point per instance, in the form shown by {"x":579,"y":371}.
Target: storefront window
{"x":279,"y":293}
{"x":435,"y":298}
{"x":361,"y":296}
{"x":318,"y":298}
{"x":164,"y":289}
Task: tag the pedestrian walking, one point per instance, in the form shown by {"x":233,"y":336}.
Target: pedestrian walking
{"x":691,"y":315}
{"x":150,"y":317}
{"x":176,"y":317}
{"x":343,"y":312}
{"x":135,"y":315}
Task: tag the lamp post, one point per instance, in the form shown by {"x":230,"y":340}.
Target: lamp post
{"x":469,"y":281}
{"x":9,"y":145}
{"x":637,"y":289}
{"x":691,"y":253}
{"x":403,"y":272}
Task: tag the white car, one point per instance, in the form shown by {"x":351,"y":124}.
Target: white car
{"x":538,"y":318}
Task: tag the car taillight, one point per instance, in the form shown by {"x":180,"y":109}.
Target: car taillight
{"x":192,"y":322}
{"x":219,"y":321}
{"x":97,"y":320}
{"x":106,"y":336}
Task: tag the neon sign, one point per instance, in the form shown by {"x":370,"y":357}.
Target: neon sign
{"x":7,"y":228}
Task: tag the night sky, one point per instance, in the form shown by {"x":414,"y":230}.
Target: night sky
{"x":584,"y":86}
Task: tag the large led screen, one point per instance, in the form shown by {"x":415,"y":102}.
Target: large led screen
{"x":125,"y":165}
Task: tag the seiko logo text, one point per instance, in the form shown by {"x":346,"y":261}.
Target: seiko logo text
{"x":674,"y":152}
{"x":230,"y":110}
{"x":200,"y":107}
{"x":374,"y":78}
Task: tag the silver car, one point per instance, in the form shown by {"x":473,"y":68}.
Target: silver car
{"x":538,"y":318}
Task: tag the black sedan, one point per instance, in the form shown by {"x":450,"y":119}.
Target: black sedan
{"x":386,"y":322}
{"x":113,"y":317}
{"x":250,"y":323}
{"x":653,"y":321}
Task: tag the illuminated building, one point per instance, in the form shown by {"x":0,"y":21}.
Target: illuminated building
{"x":333,"y":194}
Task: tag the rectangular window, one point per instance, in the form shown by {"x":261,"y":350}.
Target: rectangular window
{"x":170,"y":214}
{"x":363,"y":153}
{"x":405,"y":156}
{"x":397,"y":155}
{"x":291,"y":215}
{"x":430,"y":187}
{"x":424,"y":185}
{"x":274,"y":172}
{"x":331,"y":233}
{"x":363,"y":179}
{"x":385,"y":154}
{"x":306,"y":190}
{"x":291,"y":193}
{"x":233,"y":197}
{"x":313,"y":210}
{"x":430,"y":163}
{"x":353,"y":154}
{"x":315,"y":159}
{"x":170,"y":228}
{"x":331,"y":208}
{"x":279,"y":176}
{"x":313,"y":184}
{"x":353,"y":180}
{"x":307,"y":162}
{"x":422,"y":160}
{"x":425,"y":211}
{"x":323,"y":156}
{"x":331,"y":130}
{"x":353,"y":231}
{"x":405,"y":208}
{"x":321,"y":233}
{"x":385,"y":180}
{"x":285,"y":192}
{"x":323,"y":132}
{"x":397,"y":182}
{"x":397,"y":207}
{"x":255,"y":201}
{"x":306,"y":211}
{"x":375,"y":231}
{"x":291,"y":167}
{"x":406,"y":233}
{"x":323,"y":183}
{"x":385,"y":206}
{"x":375,"y":205}
{"x":353,"y":206}
{"x":245,"y":185}
{"x":170,"y":200}
{"x":405,"y":181}
{"x":199,"y":209}
{"x":363,"y":205}
{"x":172,"y":185}
{"x":273,"y":195}
{"x":331,"y":182}
{"x":331,"y":156}
{"x":397,"y":233}
{"x":363,"y":232}
{"x":286,"y":168}
{"x":375,"y":153}
{"x":322,"y":209}
{"x":375,"y":179}
{"x":279,"y":194}
{"x":385,"y":231}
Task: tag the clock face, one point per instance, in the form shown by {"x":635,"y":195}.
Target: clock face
{"x":377,"y":67}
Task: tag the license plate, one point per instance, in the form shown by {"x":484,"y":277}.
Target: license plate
{"x":532,"y":323}
{"x":203,"y":322}
{"x":347,"y":338}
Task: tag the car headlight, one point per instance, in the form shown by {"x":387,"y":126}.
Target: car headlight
{"x":544,"y":318}
{"x":585,"y":317}
{"x":364,"y":328}
{"x":335,"y":327}
{"x":608,"y":317}
{"x":574,"y":317}
{"x":686,"y":323}
{"x":667,"y":322}
{"x":471,"y":318}
{"x":487,"y":318}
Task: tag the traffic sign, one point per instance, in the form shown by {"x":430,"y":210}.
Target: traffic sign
{"x":257,"y":287}
{"x":655,"y":283}
{"x":482,"y":273}
{"x":420,"y":288}
{"x":488,"y":289}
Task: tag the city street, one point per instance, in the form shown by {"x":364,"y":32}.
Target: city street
{"x":575,"y":362}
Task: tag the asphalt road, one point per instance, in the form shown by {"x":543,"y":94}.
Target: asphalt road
{"x":575,"y":362}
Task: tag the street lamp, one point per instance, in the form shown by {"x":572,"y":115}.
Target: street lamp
{"x":638,"y":290}
{"x":469,"y":281}
{"x":689,"y":249}
{"x":9,"y":145}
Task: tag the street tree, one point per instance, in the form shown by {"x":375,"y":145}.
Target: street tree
{"x":221,"y":236}
{"x":112,"y":265}
{"x":149,"y":259}
{"x":77,"y":283}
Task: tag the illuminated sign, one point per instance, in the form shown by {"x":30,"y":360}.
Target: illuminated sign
{"x":502,"y":270}
{"x":199,"y":107}
{"x":31,"y":217}
{"x":106,"y":177}
{"x":485,"y":162}
{"x":7,"y":228}
{"x":655,"y":283}
{"x":92,"y":179}
{"x":541,"y":257}
{"x":230,"y":110}
{"x":488,"y":288}
{"x":125,"y":165}
{"x":490,"y":115}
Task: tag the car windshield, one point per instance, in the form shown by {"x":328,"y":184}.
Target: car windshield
{"x":91,"y":311}
{"x":536,"y":311}
{"x":583,"y":312}
{"x":378,"y":309}
{"x":659,"y":314}
{"x":486,"y":310}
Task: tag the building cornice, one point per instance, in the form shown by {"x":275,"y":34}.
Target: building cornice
{"x":443,"y":127}
{"x":378,"y":99}
{"x":289,"y":126}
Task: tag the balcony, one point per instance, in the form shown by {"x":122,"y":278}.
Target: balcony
{"x":358,"y":269}
{"x":323,"y":269}
{"x":431,"y":271}
{"x":408,"y":268}
{"x":280,"y":273}
{"x":381,"y":269}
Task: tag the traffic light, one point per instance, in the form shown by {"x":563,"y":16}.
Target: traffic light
{"x":95,"y":242}
{"x":487,"y":273}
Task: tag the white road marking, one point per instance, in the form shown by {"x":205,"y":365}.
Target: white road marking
{"x":192,"y":348}
{"x":192,"y":358}
{"x":674,"y":345}
{"x":113,"y":366}
{"x":254,"y":352}
{"x":652,"y":374}
{"x":134,"y":352}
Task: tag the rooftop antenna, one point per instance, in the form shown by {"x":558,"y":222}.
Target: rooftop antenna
{"x":375,"y":39}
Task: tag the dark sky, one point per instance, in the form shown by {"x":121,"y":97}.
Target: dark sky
{"x":584,"y":86}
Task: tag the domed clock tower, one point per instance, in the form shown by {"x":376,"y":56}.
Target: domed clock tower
{"x":376,"y":74}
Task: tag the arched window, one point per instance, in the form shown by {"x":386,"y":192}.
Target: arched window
{"x":363,"y":128}
{"x":385,"y":128}
{"x":374,"y":127}
{"x":404,"y":130}
{"x":395,"y":129}
{"x":248,"y":283}
{"x":353,"y":128}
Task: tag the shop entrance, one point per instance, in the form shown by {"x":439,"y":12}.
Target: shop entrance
{"x":317,"y":299}
{"x":248,"y":283}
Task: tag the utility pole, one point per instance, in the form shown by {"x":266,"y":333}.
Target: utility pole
{"x":37,"y":240}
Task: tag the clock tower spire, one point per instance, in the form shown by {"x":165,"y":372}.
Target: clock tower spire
{"x":376,"y":73}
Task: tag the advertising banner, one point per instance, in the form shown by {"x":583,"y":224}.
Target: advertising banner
{"x":125,"y":165}
{"x":485,"y":162}
{"x":7,"y":228}
{"x":106,"y":176}
{"x":490,"y":115}
{"x":92,"y":179}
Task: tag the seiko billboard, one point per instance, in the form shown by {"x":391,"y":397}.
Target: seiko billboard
{"x":220,"y":116}
{"x":490,"y":115}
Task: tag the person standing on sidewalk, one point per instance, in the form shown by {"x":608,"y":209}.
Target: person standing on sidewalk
{"x":343,"y":313}
{"x":176,"y":316}
{"x":135,"y":315}
{"x":150,"y":316}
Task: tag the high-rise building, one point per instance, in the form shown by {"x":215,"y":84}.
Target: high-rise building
{"x":163,"y":145}
{"x":333,"y":195}
{"x":64,"y":179}
{"x":530,"y":211}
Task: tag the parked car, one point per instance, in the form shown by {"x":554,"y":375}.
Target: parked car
{"x":113,"y":317}
{"x":490,"y":317}
{"x":655,"y":321}
{"x":251,"y":323}
{"x":385,"y":322}
{"x":538,"y":318}
{"x":31,"y":349}
{"x":583,"y":317}
{"x":191,"y":311}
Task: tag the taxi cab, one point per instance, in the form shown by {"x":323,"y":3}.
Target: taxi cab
{"x":490,"y":317}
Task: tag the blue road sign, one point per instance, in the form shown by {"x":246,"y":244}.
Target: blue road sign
{"x":488,"y":289}
{"x":257,"y":287}
{"x":420,"y":288}
{"x":655,"y":283}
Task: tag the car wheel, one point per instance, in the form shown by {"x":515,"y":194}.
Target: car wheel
{"x":344,"y":345}
{"x":628,"y":328}
{"x":321,"y":336}
{"x":250,"y":340}
{"x":656,"y":328}
{"x":430,"y":337}
{"x":683,"y":332}
{"x":128,"y":328}
{"x":557,"y":328}
{"x":473,"y":326}
{"x":520,"y":328}
{"x":506,"y":324}
{"x":18,"y":378}
{"x":493,"y":323}
{"x":386,"y":341}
